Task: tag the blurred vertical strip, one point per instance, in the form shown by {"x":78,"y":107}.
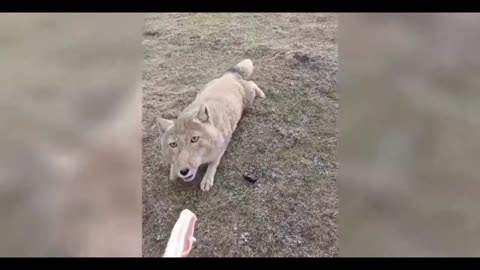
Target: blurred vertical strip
{"x":409,"y":151}
{"x":70,"y":134}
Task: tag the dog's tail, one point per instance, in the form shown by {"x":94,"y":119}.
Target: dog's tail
{"x":244,"y":69}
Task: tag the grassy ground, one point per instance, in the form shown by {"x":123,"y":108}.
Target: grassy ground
{"x":289,"y":139}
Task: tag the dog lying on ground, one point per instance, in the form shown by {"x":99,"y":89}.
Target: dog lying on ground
{"x":202,"y":131}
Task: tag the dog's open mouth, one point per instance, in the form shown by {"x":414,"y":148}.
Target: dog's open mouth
{"x":198,"y":176}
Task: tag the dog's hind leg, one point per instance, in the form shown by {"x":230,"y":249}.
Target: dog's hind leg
{"x":209,"y":177}
{"x":251,"y":91}
{"x":258,"y":91}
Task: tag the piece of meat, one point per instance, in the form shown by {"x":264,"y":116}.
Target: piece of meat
{"x":181,"y":239}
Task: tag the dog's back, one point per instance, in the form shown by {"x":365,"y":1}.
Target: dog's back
{"x":227,"y":97}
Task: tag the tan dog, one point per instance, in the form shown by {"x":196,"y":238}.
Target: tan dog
{"x":202,"y":132}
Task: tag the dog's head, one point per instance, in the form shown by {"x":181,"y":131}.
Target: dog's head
{"x":189,"y":141}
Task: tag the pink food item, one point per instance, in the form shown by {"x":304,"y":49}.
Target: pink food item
{"x":181,"y":239}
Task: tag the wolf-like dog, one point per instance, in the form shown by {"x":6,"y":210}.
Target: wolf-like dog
{"x":203,"y":130}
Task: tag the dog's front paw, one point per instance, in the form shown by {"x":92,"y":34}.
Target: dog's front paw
{"x":206,"y":183}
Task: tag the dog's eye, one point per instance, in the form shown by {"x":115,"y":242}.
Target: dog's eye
{"x":194,"y":139}
{"x":173,"y":144}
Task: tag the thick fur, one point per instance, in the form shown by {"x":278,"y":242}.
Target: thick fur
{"x":211,"y":118}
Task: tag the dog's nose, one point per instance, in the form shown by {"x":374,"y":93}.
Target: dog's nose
{"x":184,"y":172}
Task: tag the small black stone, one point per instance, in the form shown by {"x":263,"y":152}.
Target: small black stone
{"x":250,"y":177}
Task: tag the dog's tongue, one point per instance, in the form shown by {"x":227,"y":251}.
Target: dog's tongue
{"x":181,"y":239}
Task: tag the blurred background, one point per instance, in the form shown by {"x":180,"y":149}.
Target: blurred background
{"x":409,"y":124}
{"x":70,"y":135}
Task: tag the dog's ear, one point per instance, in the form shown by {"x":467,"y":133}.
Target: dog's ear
{"x":163,"y":124}
{"x":203,"y":114}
